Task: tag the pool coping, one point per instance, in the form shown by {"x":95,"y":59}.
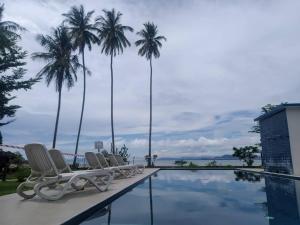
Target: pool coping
{"x":93,"y":209}
{"x":294,"y":177}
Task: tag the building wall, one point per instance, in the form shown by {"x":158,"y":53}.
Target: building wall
{"x":293,"y":118}
{"x":276,"y":153}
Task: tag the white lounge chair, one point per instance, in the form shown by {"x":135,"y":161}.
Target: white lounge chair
{"x":59,"y":161}
{"x":120,"y":160}
{"x":94,"y":163}
{"x":63,"y":167}
{"x":114,"y":163}
{"x":48,"y":183}
{"x":105,"y":164}
{"x":102,"y":160}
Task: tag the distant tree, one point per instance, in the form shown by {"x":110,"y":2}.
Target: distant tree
{"x":149,"y":43}
{"x":8,"y":34}
{"x":18,"y":159}
{"x":124,"y":152}
{"x":4,"y":164}
{"x":83,"y":35}
{"x":265,"y":109}
{"x":246,"y":154}
{"x":7,"y":158}
{"x":113,"y":40}
{"x":244,"y":176}
{"x":192,"y":165}
{"x":61,"y":65}
{"x":180,"y":162}
{"x":212,"y":163}
{"x":12,"y":62}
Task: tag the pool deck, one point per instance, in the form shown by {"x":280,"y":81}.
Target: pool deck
{"x":36,"y":211}
{"x":261,"y":171}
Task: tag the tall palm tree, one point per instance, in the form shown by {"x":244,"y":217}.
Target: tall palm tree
{"x":112,"y":37}
{"x":149,"y":44}
{"x":8,"y":33}
{"x":82,"y":35}
{"x":61,"y":65}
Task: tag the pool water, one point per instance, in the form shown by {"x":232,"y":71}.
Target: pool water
{"x":205,"y":197}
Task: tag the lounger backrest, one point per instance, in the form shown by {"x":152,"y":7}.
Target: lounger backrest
{"x":59,"y":161}
{"x":112,"y":160}
{"x":120,"y":160}
{"x":92,"y":160}
{"x":40,"y":161}
{"x":102,"y":160}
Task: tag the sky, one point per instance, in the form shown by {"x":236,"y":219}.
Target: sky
{"x":222,"y":61}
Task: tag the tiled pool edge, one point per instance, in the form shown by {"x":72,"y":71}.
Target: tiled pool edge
{"x":269,"y":173}
{"x":90,"y":211}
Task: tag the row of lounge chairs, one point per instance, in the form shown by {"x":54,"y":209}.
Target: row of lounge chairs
{"x":51,"y":177}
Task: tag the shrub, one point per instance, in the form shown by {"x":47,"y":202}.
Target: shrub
{"x":124,"y":153}
{"x":212,"y":163}
{"x":22,"y":173}
{"x":192,"y":165}
{"x":180,"y":162}
{"x":246,"y":154}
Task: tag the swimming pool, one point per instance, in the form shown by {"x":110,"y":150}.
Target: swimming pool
{"x":205,"y":197}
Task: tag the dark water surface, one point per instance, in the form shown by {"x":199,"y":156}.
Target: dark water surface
{"x":205,"y":197}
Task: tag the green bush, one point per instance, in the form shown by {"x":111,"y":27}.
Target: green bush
{"x":180,"y":162}
{"x":212,"y":163}
{"x":22,"y":173}
{"x":192,"y":165}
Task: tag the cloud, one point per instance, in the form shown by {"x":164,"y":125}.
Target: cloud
{"x":223,"y":60}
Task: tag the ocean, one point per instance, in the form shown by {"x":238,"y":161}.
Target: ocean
{"x":200,"y":162}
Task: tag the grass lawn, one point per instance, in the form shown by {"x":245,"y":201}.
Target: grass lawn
{"x":8,"y":187}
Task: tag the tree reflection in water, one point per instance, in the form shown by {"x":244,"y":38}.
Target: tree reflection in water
{"x":245,"y":176}
{"x":150,"y":197}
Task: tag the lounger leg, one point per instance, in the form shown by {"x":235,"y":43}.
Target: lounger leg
{"x":23,"y":187}
{"x":72,"y":183}
{"x":107,"y":179}
{"x":141,"y":169}
{"x":38,"y":190}
{"x":93,"y":181}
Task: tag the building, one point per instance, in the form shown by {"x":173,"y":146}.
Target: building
{"x":280,"y":139}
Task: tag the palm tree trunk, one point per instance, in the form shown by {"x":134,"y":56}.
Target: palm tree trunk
{"x":112,"y":103}
{"x":150,"y":125}
{"x":109,"y":214}
{"x":151,"y":200}
{"x":1,"y":139}
{"x":82,"y":109}
{"x":57,"y":118}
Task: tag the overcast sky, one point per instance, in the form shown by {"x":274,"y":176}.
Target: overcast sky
{"x":223,"y":60}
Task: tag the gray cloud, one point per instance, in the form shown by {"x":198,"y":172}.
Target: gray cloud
{"x":223,"y":60}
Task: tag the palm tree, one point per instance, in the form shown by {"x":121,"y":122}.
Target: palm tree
{"x":149,"y":44}
{"x":8,"y":33}
{"x":82,"y":35}
{"x":61,"y":65}
{"x":113,"y":40}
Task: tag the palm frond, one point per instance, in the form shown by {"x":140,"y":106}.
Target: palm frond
{"x":83,"y":32}
{"x":61,"y":64}
{"x":111,"y":32}
{"x":149,"y":43}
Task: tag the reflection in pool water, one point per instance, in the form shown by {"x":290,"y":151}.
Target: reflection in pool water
{"x":205,"y":197}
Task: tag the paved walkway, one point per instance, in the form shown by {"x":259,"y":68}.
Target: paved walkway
{"x":36,"y":211}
